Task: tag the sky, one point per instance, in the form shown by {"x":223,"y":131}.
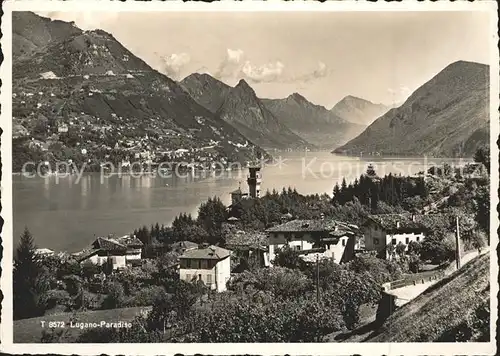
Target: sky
{"x":382,"y":57}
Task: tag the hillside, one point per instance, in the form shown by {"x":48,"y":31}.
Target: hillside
{"x":206,"y":90}
{"x":31,"y":33}
{"x":358,"y":111}
{"x":447,"y":116}
{"x":314,"y":123}
{"x":112,"y":102}
{"x":243,"y":110}
{"x":458,"y":304}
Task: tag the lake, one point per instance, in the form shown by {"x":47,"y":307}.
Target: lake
{"x":66,"y":213}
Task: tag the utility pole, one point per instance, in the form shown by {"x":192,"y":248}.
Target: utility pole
{"x":457,"y":243}
{"x":317,"y":278}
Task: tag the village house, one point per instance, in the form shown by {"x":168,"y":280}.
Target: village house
{"x":118,"y":251}
{"x":249,"y":247}
{"x":384,"y":229}
{"x":209,"y":264}
{"x":319,"y":238}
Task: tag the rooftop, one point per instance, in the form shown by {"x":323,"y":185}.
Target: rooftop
{"x":401,"y":222}
{"x":209,"y":253}
{"x":247,"y":239}
{"x":184,"y":245}
{"x":315,"y":225}
{"x":116,"y":243}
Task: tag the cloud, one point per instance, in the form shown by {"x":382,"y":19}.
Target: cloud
{"x":234,"y":56}
{"x":231,"y":64}
{"x":320,"y":72}
{"x":401,"y":93}
{"x":270,"y":72}
{"x":86,"y":20}
{"x":234,"y":66}
{"x":174,"y":63}
{"x":204,"y":70}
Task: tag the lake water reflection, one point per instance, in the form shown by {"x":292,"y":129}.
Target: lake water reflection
{"x":65,"y":213}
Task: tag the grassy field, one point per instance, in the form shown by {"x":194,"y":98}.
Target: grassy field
{"x":30,"y":330}
{"x":441,"y":307}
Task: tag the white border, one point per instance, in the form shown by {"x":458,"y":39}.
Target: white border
{"x":226,"y":349}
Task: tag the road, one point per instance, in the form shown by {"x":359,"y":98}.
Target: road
{"x":405,"y":294}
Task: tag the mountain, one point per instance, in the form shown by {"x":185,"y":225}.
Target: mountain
{"x":31,"y":32}
{"x":112,"y":101}
{"x":242,"y":109}
{"x":447,"y":116}
{"x":358,"y":111}
{"x":206,"y":90}
{"x":314,"y":123}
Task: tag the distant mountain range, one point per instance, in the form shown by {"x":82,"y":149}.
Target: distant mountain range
{"x":89,"y":81}
{"x":447,"y":116}
{"x":358,"y":111}
{"x":273,"y":123}
{"x":314,"y":123}
{"x":241,"y":107}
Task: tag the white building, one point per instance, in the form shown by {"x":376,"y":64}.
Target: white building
{"x":118,"y":251}
{"x":209,"y":264}
{"x":392,"y":229}
{"x":319,"y":238}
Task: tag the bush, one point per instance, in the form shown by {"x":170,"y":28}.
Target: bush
{"x":57,"y":297}
{"x":382,"y":271}
{"x":288,"y":258}
{"x":115,"y":296}
{"x":146,"y":296}
{"x":241,"y":320}
{"x":438,"y":250}
{"x":279,"y":281}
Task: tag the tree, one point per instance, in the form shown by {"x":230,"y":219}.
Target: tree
{"x":482,"y":207}
{"x":115,"y":297}
{"x":211,"y":215}
{"x":261,"y":318}
{"x":482,"y":155}
{"x":29,"y":282}
{"x":438,"y":249}
{"x":286,"y":257}
{"x":400,"y":249}
{"x":390,"y":250}
{"x":478,"y":240}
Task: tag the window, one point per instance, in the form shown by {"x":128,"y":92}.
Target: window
{"x":343,"y":242}
{"x":407,"y":240}
{"x":297,"y":248}
{"x":418,"y":238}
{"x":204,"y":264}
{"x":199,"y":277}
{"x":209,"y":279}
{"x":188,"y":264}
{"x":375,"y":241}
{"x":393,"y":241}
